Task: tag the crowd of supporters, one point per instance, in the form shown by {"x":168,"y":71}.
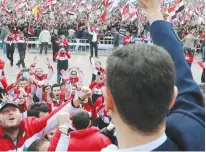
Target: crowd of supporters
{"x":145,"y":99}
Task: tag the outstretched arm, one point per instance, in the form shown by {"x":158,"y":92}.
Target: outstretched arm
{"x":189,"y":97}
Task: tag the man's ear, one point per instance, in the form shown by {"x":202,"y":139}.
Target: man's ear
{"x":108,"y":99}
{"x":175,"y":93}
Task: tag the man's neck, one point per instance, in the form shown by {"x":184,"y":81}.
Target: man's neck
{"x":12,"y":133}
{"x":129,"y":138}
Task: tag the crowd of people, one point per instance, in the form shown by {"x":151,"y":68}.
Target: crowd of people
{"x":144,"y":100}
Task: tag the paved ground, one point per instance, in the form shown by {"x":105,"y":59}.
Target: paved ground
{"x":81,"y":60}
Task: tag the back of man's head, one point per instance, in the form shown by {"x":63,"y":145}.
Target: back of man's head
{"x":39,"y":145}
{"x":141,"y":79}
{"x":38,"y":109}
{"x":81,"y":120}
{"x":40,"y":106}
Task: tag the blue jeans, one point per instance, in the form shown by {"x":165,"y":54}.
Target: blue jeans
{"x":4,"y":46}
{"x":58,"y":76}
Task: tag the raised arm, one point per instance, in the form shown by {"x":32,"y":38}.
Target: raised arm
{"x":50,"y":69}
{"x":189,"y":95}
{"x":42,"y":126}
{"x":92,"y":64}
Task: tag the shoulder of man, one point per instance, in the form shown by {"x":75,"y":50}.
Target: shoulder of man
{"x":182,"y":132}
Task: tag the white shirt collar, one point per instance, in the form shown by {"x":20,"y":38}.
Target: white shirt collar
{"x":149,"y":146}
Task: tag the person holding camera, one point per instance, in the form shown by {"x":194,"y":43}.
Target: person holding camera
{"x":96,"y":86}
{"x":96,"y":68}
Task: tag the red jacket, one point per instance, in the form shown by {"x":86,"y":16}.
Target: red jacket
{"x":189,"y":57}
{"x":31,"y":128}
{"x":64,"y":42}
{"x":96,"y":88}
{"x":95,"y":108}
{"x":126,"y":39}
{"x":2,"y":64}
{"x":15,"y":91}
{"x":44,"y":76}
{"x":89,"y":139}
{"x":3,"y":83}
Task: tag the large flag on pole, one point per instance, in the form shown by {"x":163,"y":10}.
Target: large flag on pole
{"x":103,"y":9}
{"x":180,"y":6}
{"x":36,"y":11}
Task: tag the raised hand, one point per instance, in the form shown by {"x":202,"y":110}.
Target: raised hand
{"x":64,"y":74}
{"x":48,"y":62}
{"x":6,"y":97}
{"x":30,"y":80}
{"x":35,"y":60}
{"x":86,"y":92}
{"x":63,"y":118}
{"x":21,"y":99}
{"x":151,"y":9}
{"x":22,"y":91}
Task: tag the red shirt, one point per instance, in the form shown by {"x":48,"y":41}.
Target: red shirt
{"x":89,"y":139}
{"x":126,"y":39}
{"x":189,"y":57}
{"x":64,"y":42}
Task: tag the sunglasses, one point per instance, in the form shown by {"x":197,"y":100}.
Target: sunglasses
{"x":73,"y":74}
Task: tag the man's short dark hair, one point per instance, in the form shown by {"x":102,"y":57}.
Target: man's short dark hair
{"x":81,"y":120}
{"x":55,"y":86}
{"x":141,"y":78}
{"x":40,"y":106}
{"x":36,"y":144}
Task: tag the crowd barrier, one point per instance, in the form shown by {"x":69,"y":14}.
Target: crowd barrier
{"x":80,"y":45}
{"x":105,"y":43}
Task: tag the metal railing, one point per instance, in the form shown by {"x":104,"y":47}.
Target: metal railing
{"x":81,"y":45}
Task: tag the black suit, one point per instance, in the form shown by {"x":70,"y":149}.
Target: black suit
{"x":93,"y":45}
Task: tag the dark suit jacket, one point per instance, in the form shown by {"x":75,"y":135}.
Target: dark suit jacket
{"x":185,"y":126}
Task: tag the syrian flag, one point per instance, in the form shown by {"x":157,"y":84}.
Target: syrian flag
{"x":7,"y":11}
{"x":134,"y":17}
{"x":125,"y":11}
{"x":103,"y":9}
{"x":180,"y":6}
{"x":171,"y":12}
{"x":36,"y":11}
{"x":45,"y":11}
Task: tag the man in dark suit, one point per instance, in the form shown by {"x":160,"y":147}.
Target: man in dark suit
{"x":150,"y":93}
{"x":94,"y":38}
